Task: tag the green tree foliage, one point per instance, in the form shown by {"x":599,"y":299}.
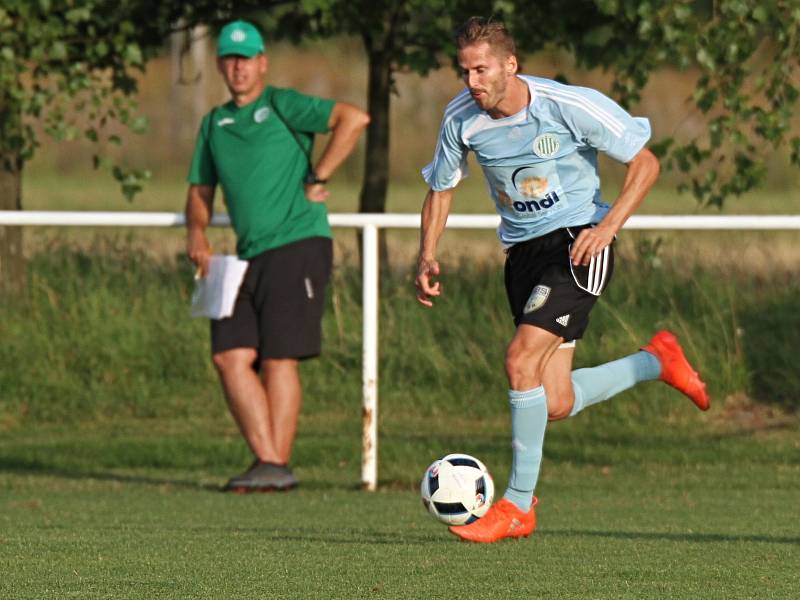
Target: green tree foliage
{"x":70,"y":65}
{"x":746,"y":55}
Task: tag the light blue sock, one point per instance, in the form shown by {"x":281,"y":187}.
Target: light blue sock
{"x":528,"y":422}
{"x":604,"y":381}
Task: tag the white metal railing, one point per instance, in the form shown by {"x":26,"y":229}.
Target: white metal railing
{"x":370,"y":223}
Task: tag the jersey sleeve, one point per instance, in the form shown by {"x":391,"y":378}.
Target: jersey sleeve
{"x":449,"y":165}
{"x":309,"y":114}
{"x":202,"y":170}
{"x":596,"y":120}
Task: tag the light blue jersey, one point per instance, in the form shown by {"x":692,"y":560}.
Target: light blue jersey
{"x":541,"y":163}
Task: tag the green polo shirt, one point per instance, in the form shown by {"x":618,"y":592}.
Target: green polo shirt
{"x":251,"y":152}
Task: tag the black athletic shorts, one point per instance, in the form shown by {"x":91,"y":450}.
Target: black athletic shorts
{"x":545,"y":289}
{"x":279,"y":307}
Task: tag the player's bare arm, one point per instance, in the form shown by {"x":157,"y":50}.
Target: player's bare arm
{"x":435,"y":210}
{"x":346,"y":124}
{"x":642,"y":173}
{"x":199,"y":209}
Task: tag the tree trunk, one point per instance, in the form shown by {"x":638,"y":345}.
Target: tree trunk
{"x":376,"y":161}
{"x":12,"y":265}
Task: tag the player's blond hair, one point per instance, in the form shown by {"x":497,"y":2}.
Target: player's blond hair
{"x":478,"y":29}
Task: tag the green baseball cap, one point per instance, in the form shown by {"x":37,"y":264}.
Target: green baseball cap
{"x":239,"y":38}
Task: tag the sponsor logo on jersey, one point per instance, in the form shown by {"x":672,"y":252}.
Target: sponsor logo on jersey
{"x":546,"y":145}
{"x":225,"y":121}
{"x":533,"y":187}
{"x":563,"y":320}
{"x":504,"y":198}
{"x":537,"y":299}
{"x":537,"y":205}
{"x":261,"y":114}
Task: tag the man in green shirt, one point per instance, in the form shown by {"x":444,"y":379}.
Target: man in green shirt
{"x":257,"y":148}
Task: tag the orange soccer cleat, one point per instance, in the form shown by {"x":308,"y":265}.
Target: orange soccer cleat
{"x":504,"y":520}
{"x":676,"y":370}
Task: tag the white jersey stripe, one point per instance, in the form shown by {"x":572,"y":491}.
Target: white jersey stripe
{"x":610,"y":125}
{"x":572,"y":95}
{"x":457,"y":105}
{"x":576,"y":96}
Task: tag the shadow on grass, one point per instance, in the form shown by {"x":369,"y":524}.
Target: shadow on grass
{"x":672,"y":537}
{"x":348,"y":536}
{"x":36,"y":468}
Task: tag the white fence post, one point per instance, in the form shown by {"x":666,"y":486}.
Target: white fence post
{"x":369,"y":411}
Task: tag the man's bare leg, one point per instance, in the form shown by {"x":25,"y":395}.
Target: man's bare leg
{"x":247,"y":400}
{"x":557,"y":381}
{"x":281,"y":381}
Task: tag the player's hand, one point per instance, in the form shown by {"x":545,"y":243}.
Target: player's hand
{"x":590,"y":242}
{"x":316,"y":192}
{"x":199,"y":251}
{"x":426,"y":289}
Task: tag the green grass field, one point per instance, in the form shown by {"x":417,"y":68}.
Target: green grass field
{"x":130,"y":510}
{"x":114,"y":441}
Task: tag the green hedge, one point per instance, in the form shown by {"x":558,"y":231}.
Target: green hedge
{"x":104,"y":332}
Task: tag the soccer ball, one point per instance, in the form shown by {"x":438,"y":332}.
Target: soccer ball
{"x":457,"y":489}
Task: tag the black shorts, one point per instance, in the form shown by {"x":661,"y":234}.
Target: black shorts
{"x":279,"y":307}
{"x":545,"y":289}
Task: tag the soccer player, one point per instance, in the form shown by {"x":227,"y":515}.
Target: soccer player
{"x":537,"y":141}
{"x":257,"y":148}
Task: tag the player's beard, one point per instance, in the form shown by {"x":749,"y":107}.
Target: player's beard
{"x":492,"y":95}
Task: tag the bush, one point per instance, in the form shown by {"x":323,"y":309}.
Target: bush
{"x":105,"y":332}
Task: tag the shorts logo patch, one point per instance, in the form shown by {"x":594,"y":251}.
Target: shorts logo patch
{"x":261,"y":114}
{"x":537,"y":300}
{"x":563,"y":320}
{"x":546,"y":145}
{"x":309,"y":289}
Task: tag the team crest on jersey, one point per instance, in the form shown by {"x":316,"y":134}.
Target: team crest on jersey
{"x":538,"y":297}
{"x":261,"y":114}
{"x":546,"y":145}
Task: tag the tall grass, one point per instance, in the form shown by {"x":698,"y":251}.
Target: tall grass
{"x":104,"y":332}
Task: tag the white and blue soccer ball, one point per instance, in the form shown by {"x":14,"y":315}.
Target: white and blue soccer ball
{"x":457,"y":489}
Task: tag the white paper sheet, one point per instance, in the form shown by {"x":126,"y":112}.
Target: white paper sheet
{"x":215,"y":294}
